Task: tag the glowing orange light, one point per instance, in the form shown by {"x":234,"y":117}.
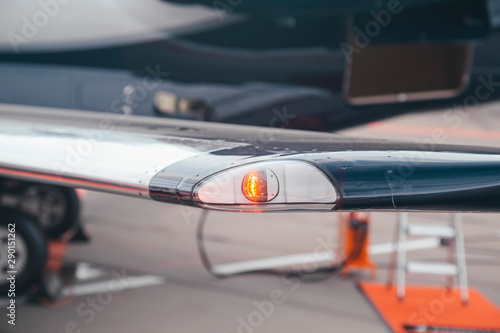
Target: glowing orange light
{"x":255,"y":186}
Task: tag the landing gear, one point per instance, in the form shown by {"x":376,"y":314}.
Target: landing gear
{"x":29,"y":254}
{"x":54,"y":208}
{"x":30,"y":215}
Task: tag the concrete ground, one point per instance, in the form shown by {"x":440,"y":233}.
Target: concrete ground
{"x":142,"y":272}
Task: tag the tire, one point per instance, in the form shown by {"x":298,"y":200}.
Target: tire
{"x":31,"y":251}
{"x":55,"y":208}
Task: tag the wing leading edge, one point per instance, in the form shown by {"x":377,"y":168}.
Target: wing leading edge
{"x":241,"y":168}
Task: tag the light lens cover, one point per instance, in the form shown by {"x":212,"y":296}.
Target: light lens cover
{"x":263,"y":186}
{"x":260,"y":185}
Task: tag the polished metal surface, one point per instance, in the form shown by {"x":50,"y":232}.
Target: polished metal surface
{"x":95,"y":156}
{"x":167,"y":159}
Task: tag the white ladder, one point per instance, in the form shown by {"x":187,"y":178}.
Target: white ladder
{"x":451,"y":235}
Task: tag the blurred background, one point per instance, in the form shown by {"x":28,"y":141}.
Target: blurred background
{"x":425,"y":72}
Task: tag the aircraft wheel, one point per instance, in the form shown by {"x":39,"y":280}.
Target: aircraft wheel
{"x":30,"y":251}
{"x":55,"y":208}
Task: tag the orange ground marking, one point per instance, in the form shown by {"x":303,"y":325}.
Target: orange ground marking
{"x":432,"y":306}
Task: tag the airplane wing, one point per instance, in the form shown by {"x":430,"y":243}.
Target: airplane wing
{"x":242,"y":168}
